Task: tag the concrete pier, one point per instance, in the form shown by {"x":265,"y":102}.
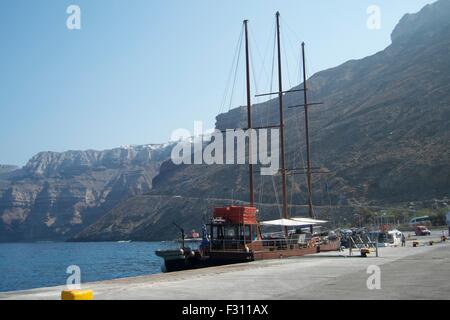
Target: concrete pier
{"x":406,"y":273}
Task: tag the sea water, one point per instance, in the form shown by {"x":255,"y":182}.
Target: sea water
{"x":35,"y":265}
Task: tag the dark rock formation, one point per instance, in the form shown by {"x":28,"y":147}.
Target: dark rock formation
{"x":58,"y":194}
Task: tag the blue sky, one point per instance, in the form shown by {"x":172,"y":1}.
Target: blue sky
{"x":137,"y":70}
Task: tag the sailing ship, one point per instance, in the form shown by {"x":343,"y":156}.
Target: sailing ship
{"x":234,"y":233}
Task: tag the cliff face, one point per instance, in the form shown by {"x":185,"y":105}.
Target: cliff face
{"x":383,"y":132}
{"x":58,"y":194}
{"x":48,"y":164}
{"x":424,"y":24}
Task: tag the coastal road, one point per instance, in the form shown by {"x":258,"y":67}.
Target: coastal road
{"x":405,"y":273}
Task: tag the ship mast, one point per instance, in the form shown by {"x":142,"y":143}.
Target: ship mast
{"x":308,"y":147}
{"x":280,"y":98}
{"x":249,"y":116}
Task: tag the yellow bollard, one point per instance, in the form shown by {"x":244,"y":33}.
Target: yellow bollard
{"x":77,"y":295}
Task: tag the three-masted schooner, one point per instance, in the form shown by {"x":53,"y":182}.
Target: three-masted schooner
{"x":234,"y":231}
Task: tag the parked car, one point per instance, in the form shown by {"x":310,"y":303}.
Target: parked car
{"x":422,"y":231}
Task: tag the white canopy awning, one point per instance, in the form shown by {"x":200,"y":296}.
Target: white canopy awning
{"x":309,"y":221}
{"x":286,"y":223}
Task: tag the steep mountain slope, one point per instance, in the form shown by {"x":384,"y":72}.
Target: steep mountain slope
{"x":384,"y":128}
{"x":58,"y":194}
{"x":384,"y":133}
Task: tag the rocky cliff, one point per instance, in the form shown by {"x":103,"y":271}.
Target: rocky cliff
{"x":58,"y":194}
{"x":383,"y":132}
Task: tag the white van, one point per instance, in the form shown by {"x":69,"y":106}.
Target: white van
{"x":395,"y":238}
{"x":391,"y":238}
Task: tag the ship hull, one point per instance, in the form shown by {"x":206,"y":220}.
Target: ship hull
{"x":213,"y":260}
{"x":227,"y":258}
{"x":178,"y":260}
